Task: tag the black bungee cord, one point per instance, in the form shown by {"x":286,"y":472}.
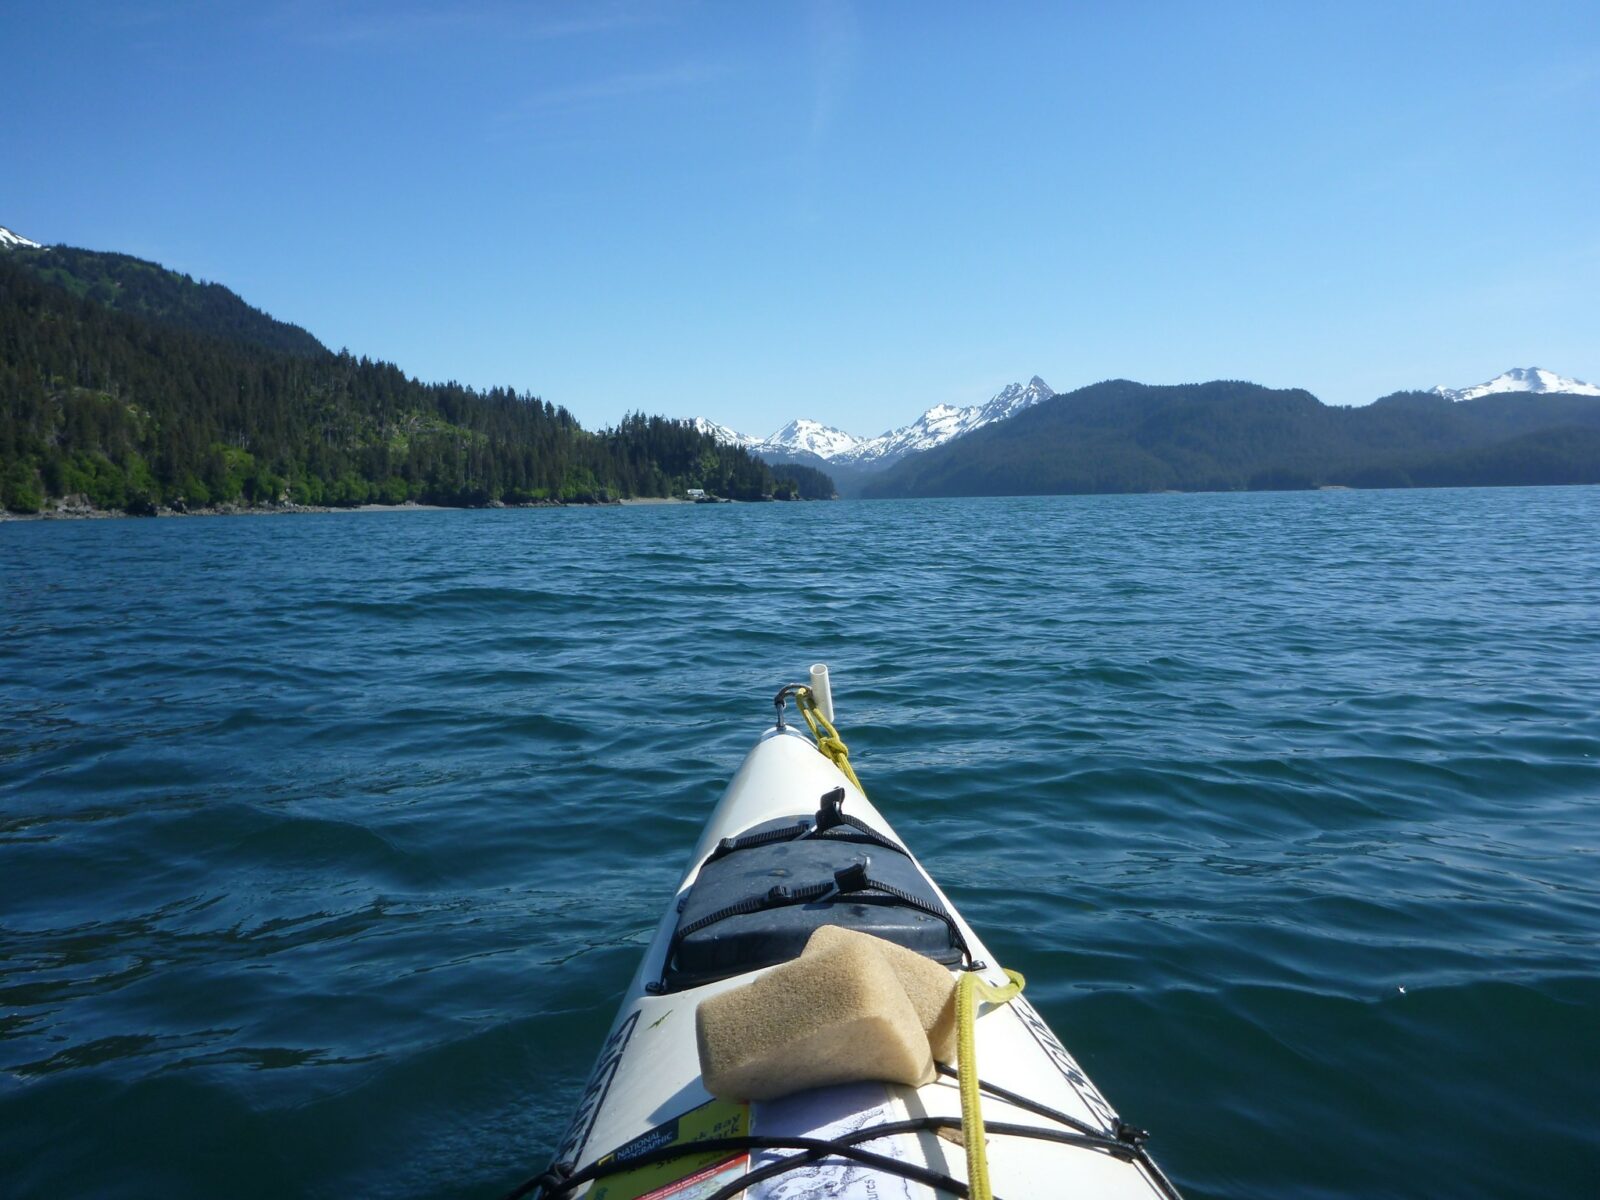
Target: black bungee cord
{"x":1126,"y":1143}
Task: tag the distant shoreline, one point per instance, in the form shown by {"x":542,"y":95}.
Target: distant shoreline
{"x":281,"y":510}
{"x":84,"y":513}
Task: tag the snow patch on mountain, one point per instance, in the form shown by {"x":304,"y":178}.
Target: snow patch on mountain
{"x":945,"y":422}
{"x":810,"y":437}
{"x":933,"y":428}
{"x":9,"y":240}
{"x":799,"y":437}
{"x":723,"y":435}
{"x":1521,"y":379}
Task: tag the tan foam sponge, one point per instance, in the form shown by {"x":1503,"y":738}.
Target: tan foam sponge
{"x":833,"y":1016}
{"x":928,"y":985}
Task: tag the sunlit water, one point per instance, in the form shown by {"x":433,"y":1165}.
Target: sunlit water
{"x":328,"y":843}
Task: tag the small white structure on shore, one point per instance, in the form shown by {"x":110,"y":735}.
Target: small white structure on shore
{"x":696,"y":493}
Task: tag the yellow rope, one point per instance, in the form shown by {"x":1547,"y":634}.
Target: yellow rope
{"x":828,"y":739}
{"x":971,"y":987}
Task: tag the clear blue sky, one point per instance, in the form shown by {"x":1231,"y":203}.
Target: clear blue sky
{"x":846,"y":211}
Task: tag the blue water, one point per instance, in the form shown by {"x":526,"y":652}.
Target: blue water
{"x":327,"y":843}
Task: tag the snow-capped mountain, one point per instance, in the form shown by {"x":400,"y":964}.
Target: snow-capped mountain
{"x":943,"y":422}
{"x":724,"y":435}
{"x":809,"y":437}
{"x":797,"y":437}
{"x":9,"y":240}
{"x":933,"y":428}
{"x":1521,"y":379}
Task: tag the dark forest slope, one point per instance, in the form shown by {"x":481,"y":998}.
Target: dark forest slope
{"x":184,"y":398}
{"x":146,"y":289}
{"x":1121,"y":436}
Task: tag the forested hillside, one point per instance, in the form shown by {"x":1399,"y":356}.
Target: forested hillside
{"x":136,"y":388}
{"x":801,"y":482}
{"x":146,"y":289}
{"x":1120,"y":436}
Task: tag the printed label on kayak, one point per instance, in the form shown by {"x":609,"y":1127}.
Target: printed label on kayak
{"x":1064,"y":1062}
{"x":689,"y":1177}
{"x":707,"y":1183}
{"x":594,"y":1093}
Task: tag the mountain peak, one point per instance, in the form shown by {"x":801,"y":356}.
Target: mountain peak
{"x":1521,"y":379}
{"x":943,"y":422}
{"x":810,"y":437}
{"x":933,"y":428}
{"x":723,"y":434}
{"x":9,"y":241}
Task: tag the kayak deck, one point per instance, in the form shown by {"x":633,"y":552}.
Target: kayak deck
{"x":1050,"y":1132}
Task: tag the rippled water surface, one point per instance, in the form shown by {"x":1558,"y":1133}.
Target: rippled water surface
{"x":328,"y":843}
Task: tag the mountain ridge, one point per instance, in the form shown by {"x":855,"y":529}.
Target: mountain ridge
{"x":1231,"y":435}
{"x":145,"y":289}
{"x":855,"y":461}
{"x":1535,"y":380}
{"x":128,"y":387}
{"x":936,"y":426}
{"x":10,"y":239}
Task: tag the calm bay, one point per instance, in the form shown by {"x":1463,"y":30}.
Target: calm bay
{"x":328,"y":843}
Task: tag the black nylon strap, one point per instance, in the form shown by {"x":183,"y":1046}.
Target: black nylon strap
{"x":562,"y":1179}
{"x":864,"y":833}
{"x":858,"y":832}
{"x":778,"y":897}
{"x":849,"y":881}
{"x":749,"y":841}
